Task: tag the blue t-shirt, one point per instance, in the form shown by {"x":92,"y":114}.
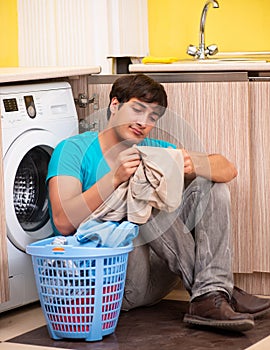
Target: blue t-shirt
{"x":80,"y":156}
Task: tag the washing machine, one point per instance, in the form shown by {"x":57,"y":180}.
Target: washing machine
{"x":34,"y":118}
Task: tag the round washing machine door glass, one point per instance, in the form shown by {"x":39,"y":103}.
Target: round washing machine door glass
{"x":29,"y":193}
{"x":25,"y":169}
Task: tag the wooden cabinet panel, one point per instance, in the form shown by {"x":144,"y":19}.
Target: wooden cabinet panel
{"x":211,"y":117}
{"x":260,"y":170}
{"x":79,"y":86}
{"x":97,"y":118}
{"x":214,"y":117}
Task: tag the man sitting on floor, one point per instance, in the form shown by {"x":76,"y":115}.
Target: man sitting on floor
{"x":191,"y":243}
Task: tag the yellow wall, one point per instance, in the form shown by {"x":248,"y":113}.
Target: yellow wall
{"x":237,"y":25}
{"x":8,"y":33}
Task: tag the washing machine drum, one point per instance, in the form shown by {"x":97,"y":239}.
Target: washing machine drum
{"x":29,"y":193}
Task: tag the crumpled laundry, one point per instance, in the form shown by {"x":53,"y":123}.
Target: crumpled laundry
{"x":107,"y":233}
{"x":157,"y":183}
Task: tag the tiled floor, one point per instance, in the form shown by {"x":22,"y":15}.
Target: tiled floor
{"x":23,"y":320}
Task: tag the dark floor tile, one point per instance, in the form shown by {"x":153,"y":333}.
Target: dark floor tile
{"x":156,"y":327}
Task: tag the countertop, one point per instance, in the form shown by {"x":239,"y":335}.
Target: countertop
{"x":210,"y":65}
{"x":12,"y":74}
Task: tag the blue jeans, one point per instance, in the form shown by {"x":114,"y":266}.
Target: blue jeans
{"x":192,"y":243}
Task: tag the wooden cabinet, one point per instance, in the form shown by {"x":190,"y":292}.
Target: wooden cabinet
{"x":260,"y":170}
{"x":259,"y":109}
{"x":231,"y":118}
{"x":213,"y":117}
{"x":97,"y":112}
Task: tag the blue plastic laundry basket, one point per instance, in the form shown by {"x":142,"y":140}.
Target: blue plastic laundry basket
{"x":80,"y":287}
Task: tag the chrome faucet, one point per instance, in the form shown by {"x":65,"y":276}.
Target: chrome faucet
{"x":201,"y":52}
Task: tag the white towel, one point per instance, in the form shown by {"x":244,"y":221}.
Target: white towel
{"x":157,"y":183}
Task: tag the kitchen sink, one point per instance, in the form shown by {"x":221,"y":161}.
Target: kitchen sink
{"x":233,"y":56}
{"x":224,"y":60}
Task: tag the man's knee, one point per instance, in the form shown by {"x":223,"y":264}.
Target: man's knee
{"x":221,"y":193}
{"x":219,"y":190}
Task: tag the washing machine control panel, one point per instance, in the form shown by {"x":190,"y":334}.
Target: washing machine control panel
{"x":13,"y":104}
{"x":10,"y":104}
{"x":36,"y":104}
{"x":30,"y":106}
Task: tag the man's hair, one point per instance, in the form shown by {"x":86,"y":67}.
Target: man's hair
{"x":138,"y":86}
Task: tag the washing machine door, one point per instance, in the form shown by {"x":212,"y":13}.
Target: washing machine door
{"x":26,"y":202}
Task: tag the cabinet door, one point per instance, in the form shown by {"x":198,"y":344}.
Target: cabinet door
{"x":260,"y":170}
{"x":4,"y":294}
{"x":97,"y":112}
{"x":213,"y":117}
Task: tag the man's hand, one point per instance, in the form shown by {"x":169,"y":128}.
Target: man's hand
{"x":214,"y":167}
{"x":188,"y":163}
{"x":126,"y":164}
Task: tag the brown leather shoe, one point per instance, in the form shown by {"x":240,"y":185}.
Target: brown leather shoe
{"x":213,"y":310}
{"x":247,"y":303}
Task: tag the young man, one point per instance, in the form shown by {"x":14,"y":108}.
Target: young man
{"x":192,"y":243}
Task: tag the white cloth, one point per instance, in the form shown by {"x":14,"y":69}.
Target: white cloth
{"x":157,"y":183}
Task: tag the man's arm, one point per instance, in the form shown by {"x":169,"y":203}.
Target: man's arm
{"x":214,"y":167}
{"x":70,"y":206}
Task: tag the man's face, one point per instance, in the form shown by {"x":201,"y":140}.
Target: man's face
{"x":132,"y":121}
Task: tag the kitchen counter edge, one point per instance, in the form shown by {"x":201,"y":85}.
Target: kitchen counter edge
{"x":18,"y":74}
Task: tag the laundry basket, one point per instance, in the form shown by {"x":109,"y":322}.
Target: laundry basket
{"x":80,"y":287}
